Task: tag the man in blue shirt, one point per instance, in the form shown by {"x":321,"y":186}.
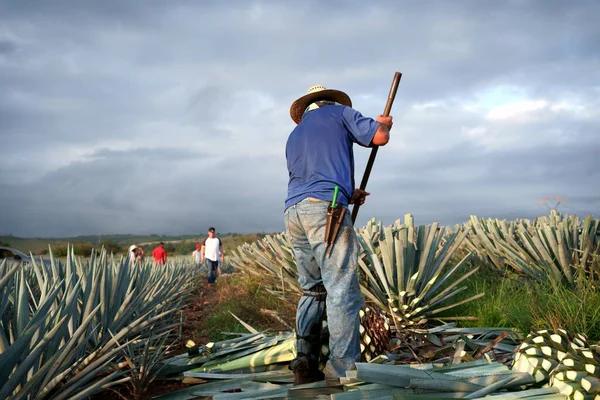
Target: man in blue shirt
{"x":319,"y":154}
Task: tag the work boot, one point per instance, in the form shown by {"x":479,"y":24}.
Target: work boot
{"x":305,"y":370}
{"x":331,"y":381}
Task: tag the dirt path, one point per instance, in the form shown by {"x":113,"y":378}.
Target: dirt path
{"x":233,"y":293}
{"x":196,"y":313}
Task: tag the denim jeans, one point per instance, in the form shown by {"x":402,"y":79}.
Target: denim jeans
{"x":305,"y":226}
{"x":212,"y":267}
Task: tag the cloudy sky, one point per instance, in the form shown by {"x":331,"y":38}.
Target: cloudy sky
{"x":170,"y":116}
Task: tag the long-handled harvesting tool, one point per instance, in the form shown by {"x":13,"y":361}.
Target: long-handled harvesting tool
{"x":386,"y":112}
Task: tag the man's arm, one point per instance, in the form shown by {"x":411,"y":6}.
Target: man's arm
{"x":202,"y":253}
{"x":222,"y":253}
{"x":365,"y":131}
{"x":382,"y":135}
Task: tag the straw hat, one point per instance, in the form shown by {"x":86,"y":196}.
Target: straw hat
{"x":316,"y":93}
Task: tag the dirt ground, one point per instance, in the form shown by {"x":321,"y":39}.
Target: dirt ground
{"x":196,"y":313}
{"x":241,"y":294}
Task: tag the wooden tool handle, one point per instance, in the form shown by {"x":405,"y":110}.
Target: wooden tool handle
{"x":386,"y":112}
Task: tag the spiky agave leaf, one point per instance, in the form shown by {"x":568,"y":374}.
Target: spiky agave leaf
{"x":405,"y":269}
{"x":559,"y":247}
{"x":272,"y":255}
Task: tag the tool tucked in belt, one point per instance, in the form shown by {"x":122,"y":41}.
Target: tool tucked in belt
{"x":335,"y":218}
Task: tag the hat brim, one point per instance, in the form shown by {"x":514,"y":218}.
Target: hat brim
{"x":299,"y":106}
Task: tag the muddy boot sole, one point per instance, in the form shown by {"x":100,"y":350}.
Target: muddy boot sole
{"x":306,"y":371}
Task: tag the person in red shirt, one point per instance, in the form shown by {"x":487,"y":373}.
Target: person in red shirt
{"x":160,"y":254}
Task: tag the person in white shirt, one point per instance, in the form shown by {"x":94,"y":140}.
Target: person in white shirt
{"x":212,"y":252}
{"x":197,"y":256}
{"x":132,"y":254}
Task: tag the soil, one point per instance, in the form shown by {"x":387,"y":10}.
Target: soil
{"x":207,"y":299}
{"x":195,"y":314}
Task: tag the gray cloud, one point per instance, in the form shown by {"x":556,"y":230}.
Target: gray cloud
{"x":167,"y":118}
{"x":7,"y":47}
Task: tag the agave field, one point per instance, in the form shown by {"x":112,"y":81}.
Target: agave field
{"x":415,"y":272}
{"x":74,"y":328}
{"x":416,"y":275}
{"x":79,"y":326}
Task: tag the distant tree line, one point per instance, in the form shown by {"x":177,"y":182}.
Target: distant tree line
{"x":184,"y":247}
{"x":84,"y":248}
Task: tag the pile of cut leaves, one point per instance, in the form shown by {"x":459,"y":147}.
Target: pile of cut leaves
{"x":442,"y":362}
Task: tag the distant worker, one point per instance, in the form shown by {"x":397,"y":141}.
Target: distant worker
{"x":139,"y":254}
{"x":212,"y":251}
{"x":132,"y":254}
{"x":160,"y":254}
{"x":197,"y":256}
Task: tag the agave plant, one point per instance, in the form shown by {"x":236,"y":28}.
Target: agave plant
{"x":63,"y":326}
{"x":557,"y":247}
{"x":404,"y":269}
{"x":270,"y":257}
{"x":145,"y":361}
{"x":402,"y":266}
